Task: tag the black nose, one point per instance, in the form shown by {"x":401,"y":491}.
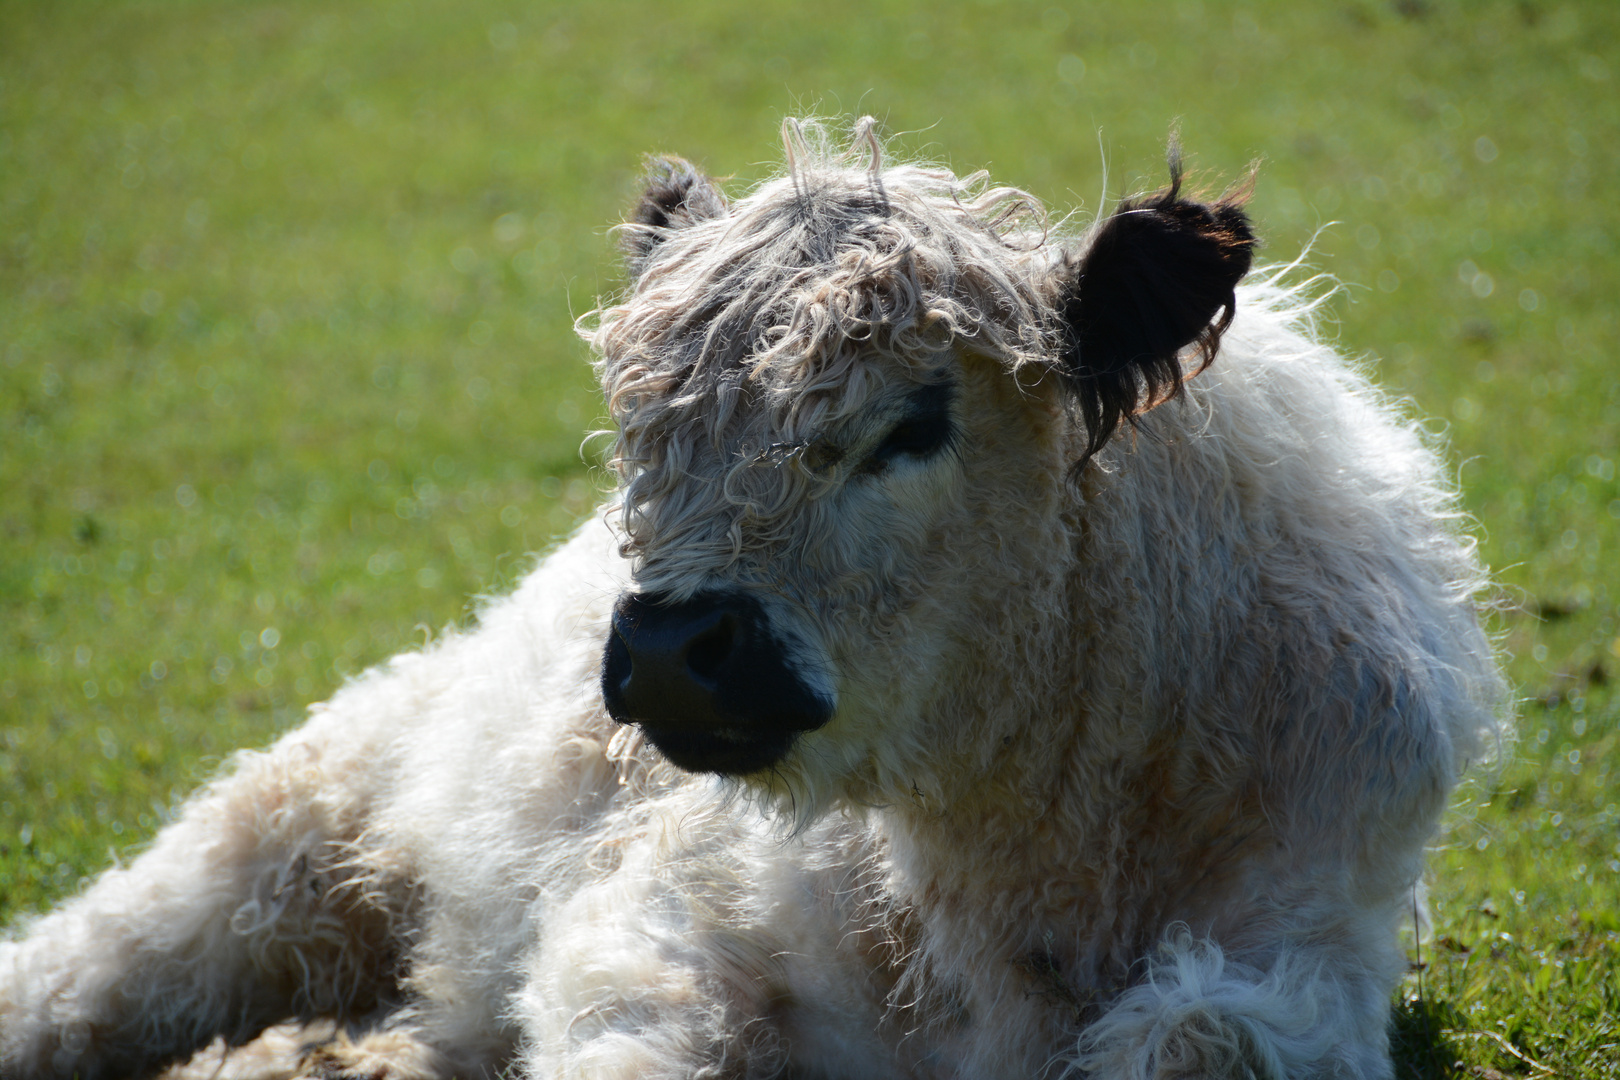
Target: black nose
{"x":707,"y":681}
{"x":666,"y":664}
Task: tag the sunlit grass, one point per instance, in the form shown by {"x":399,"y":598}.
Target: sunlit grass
{"x":287,"y":373}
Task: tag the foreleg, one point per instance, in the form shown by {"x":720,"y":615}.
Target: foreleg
{"x":653,"y":973}
{"x":1199,"y":1013}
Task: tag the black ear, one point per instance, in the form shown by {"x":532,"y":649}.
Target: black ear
{"x":1156,"y":276}
{"x":676,"y":194}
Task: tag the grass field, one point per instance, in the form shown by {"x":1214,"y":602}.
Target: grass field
{"x":287,"y":374}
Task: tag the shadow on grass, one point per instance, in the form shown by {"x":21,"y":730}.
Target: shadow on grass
{"x":1418,"y":1042}
{"x":1425,"y":1044}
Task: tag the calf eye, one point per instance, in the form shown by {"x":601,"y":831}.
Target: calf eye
{"x":922,"y":432}
{"x":918,"y":437}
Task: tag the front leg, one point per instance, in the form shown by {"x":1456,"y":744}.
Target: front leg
{"x":662,"y":966}
{"x":716,"y":948}
{"x":1198,"y":1013}
{"x":634,"y":982}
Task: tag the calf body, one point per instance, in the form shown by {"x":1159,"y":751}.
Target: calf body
{"x":923,"y":706}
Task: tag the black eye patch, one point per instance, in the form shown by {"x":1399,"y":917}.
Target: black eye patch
{"x":923,"y":430}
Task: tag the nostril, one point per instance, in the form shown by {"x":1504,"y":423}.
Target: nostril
{"x":709,"y":649}
{"x":706,"y":681}
{"x":617,"y":666}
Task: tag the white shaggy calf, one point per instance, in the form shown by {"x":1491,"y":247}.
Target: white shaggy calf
{"x":924,"y":708}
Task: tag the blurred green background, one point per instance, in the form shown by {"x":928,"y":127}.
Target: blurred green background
{"x":287,"y":374}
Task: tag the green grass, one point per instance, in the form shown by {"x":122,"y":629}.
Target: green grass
{"x":287,"y":374}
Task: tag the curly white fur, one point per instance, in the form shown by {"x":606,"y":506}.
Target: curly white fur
{"x":1129,"y":775}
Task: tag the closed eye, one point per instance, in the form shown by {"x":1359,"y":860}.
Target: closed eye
{"x":924,"y":430}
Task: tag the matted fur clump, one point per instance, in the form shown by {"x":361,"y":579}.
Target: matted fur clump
{"x":1011,"y":651}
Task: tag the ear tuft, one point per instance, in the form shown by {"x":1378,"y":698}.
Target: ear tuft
{"x":1158,"y":275}
{"x":675,"y":194}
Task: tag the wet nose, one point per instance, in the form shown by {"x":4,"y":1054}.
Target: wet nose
{"x":707,"y":681}
{"x":667,"y":664}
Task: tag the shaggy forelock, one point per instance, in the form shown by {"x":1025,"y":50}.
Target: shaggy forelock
{"x":749,"y":334}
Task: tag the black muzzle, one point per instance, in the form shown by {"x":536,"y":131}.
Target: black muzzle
{"x":713,"y":689}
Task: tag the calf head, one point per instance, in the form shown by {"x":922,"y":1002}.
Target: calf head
{"x":850,"y":409}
